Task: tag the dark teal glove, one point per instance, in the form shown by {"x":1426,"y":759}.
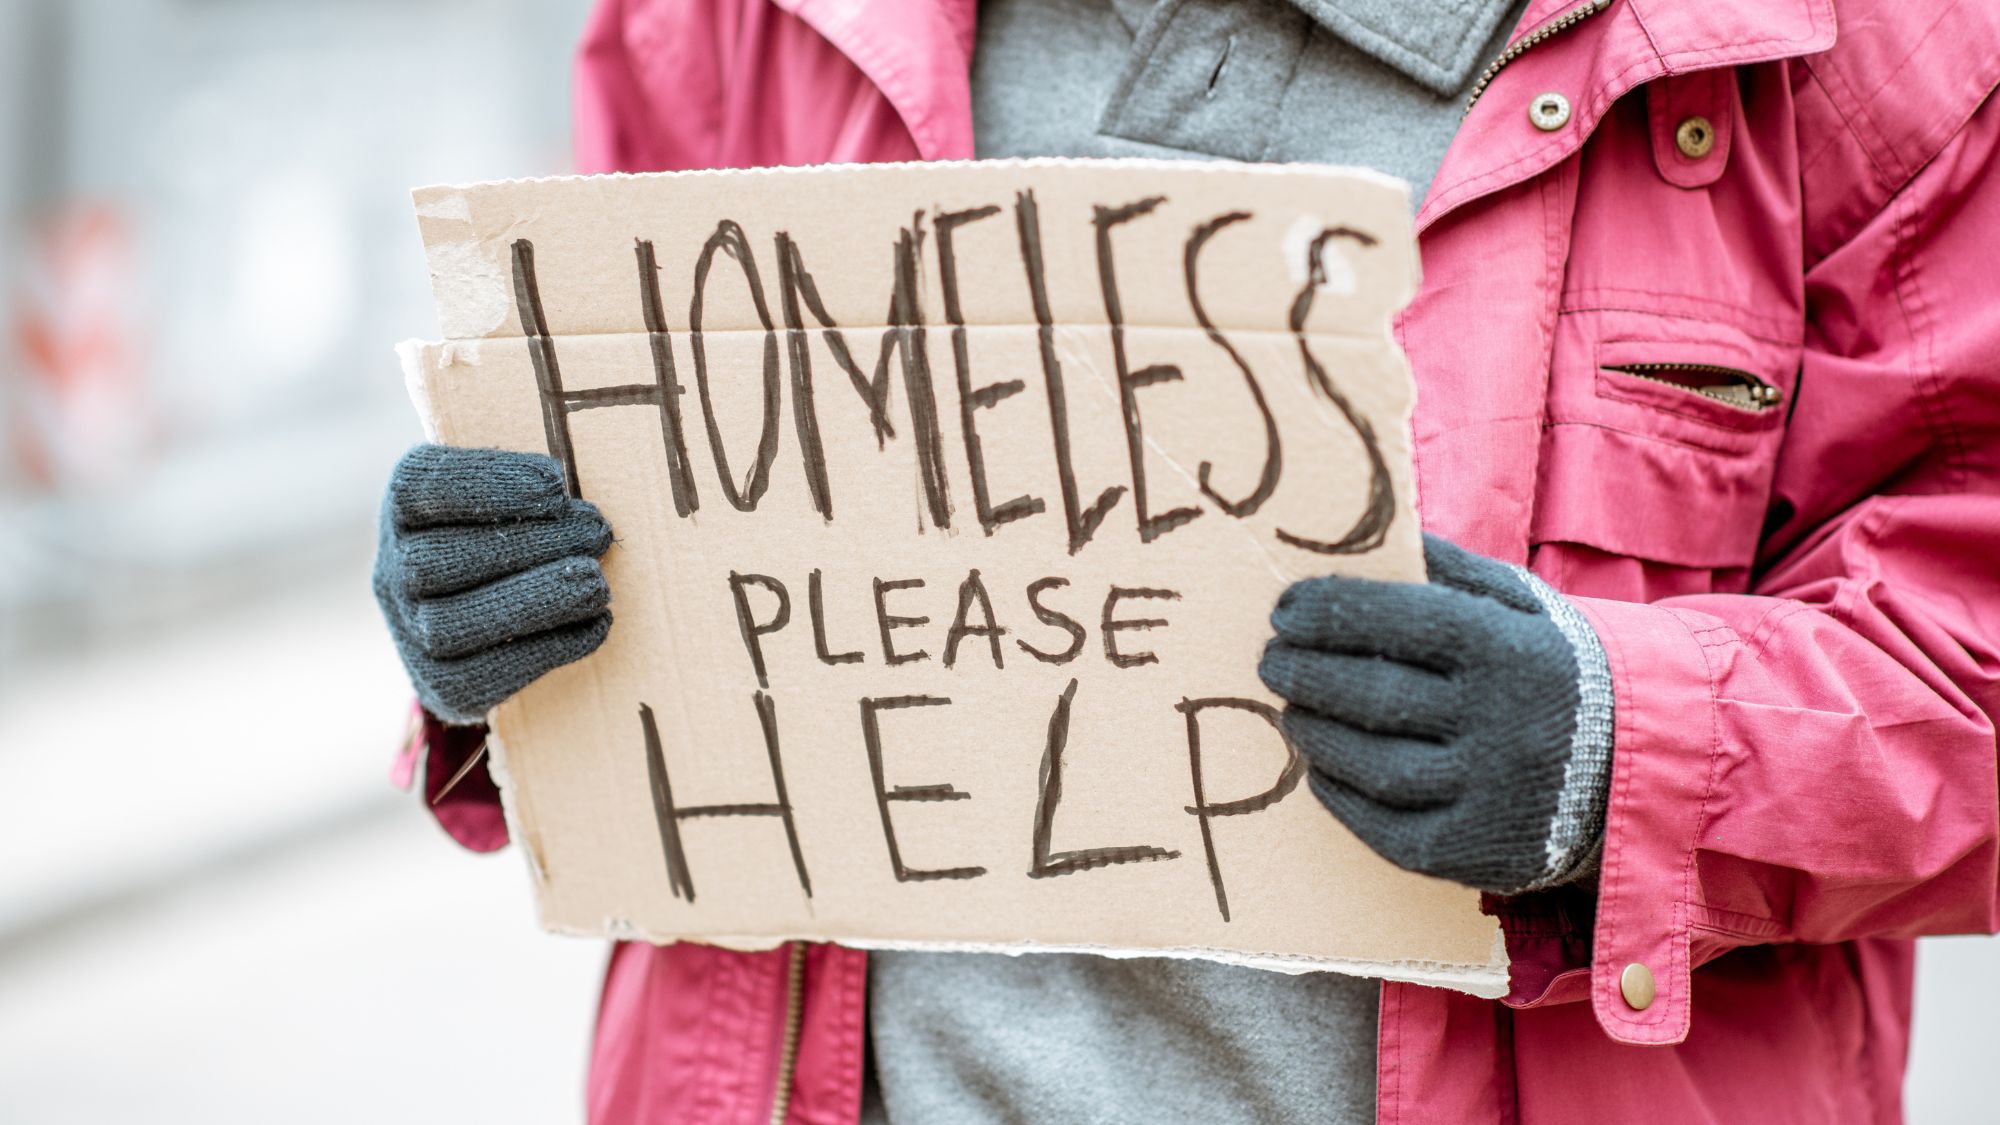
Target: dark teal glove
{"x":487,"y":574}
{"x":1460,"y":727}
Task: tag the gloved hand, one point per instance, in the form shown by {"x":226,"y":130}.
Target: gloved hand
{"x":487,"y":574}
{"x":1460,"y":727}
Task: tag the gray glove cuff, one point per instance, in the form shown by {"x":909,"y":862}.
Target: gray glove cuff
{"x":1576,"y":831}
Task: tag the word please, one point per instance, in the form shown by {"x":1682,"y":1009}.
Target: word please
{"x":769,"y":610}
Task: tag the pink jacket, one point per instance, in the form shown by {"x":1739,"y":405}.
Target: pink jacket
{"x":1801,"y":603}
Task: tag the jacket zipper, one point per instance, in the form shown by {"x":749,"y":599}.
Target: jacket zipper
{"x":1726,"y":385}
{"x":788,"y":1053}
{"x":1527,"y":42}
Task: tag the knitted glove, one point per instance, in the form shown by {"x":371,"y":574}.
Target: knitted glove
{"x":487,"y":575}
{"x":1460,"y":727}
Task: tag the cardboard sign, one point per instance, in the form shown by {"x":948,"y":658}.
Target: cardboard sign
{"x":951,"y":505}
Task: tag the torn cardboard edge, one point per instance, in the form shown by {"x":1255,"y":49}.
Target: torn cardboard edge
{"x":435,"y":200}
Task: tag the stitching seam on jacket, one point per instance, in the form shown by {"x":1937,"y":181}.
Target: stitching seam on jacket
{"x":1702,"y":821}
{"x":1723,"y":313}
{"x":1923,"y":337}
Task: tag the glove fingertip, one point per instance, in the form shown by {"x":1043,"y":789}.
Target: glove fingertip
{"x":1472,"y":573}
{"x":1300,"y":604}
{"x":600,"y":537}
{"x":1281,"y":667}
{"x":587,"y":574}
{"x":537,"y":478}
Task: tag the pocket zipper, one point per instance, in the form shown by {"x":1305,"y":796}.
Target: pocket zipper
{"x":1726,"y":385}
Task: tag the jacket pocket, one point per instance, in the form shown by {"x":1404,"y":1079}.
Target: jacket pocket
{"x":1662,"y":438}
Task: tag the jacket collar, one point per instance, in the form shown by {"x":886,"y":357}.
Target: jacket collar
{"x":1599,"y":58}
{"x":1435,"y":43}
{"x":919,"y":54}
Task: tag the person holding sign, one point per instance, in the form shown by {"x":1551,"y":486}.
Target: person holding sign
{"x":1700,"y":688}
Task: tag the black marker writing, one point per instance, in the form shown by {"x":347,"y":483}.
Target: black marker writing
{"x":1111,"y":626}
{"x":1151,"y":527}
{"x":816,"y":603}
{"x":972,"y":399}
{"x":1372,"y":526}
{"x":907,"y":314}
{"x":1204,"y":810}
{"x":871,"y":735}
{"x":542,"y":353}
{"x":1056,"y":618}
{"x":729,"y":239}
{"x":1083,"y":522}
{"x":746,"y":623}
{"x":1267,"y":481}
{"x":667,"y":388}
{"x":973,"y":591}
{"x":1047,"y":863}
{"x":886,"y":621}
{"x":799,"y":287}
{"x":668,"y":816}
{"x":793,"y":281}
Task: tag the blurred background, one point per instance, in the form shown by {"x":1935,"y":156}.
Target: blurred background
{"x":213,"y":905}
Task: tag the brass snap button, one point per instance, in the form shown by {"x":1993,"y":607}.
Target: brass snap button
{"x":1549,"y":111}
{"x":1695,"y":137}
{"x":1636,"y":982}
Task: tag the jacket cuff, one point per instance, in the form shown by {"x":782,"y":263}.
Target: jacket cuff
{"x":1575,"y":840}
{"x":1665,"y":747}
{"x":469,"y":811}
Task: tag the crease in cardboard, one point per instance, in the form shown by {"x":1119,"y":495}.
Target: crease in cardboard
{"x":1107,"y":385}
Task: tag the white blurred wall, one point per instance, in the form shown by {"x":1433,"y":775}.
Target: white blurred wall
{"x":213,"y":907}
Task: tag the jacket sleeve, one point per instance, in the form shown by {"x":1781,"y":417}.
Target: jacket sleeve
{"x":456,"y":787}
{"x":1815,"y":761}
